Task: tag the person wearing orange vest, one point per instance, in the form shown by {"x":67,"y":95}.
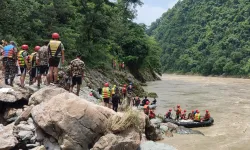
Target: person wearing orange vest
{"x":56,"y":53}
{"x":151,"y":114}
{"x":106,"y":94}
{"x":124,"y":91}
{"x":207,"y":116}
{"x":178,"y":112}
{"x":183,"y":115}
{"x":9,"y":63}
{"x":22,"y":57}
{"x":197,"y":117}
{"x":146,"y":108}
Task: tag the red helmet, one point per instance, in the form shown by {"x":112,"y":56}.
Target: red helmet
{"x":197,"y":111}
{"x":170,"y":109}
{"x":178,"y":106}
{"x":124,"y":85}
{"x":37,"y":48}
{"x":147,"y":102}
{"x":55,"y":36}
{"x":106,"y":84}
{"x":185,"y":111}
{"x":206,"y":111}
{"x":25,"y":47}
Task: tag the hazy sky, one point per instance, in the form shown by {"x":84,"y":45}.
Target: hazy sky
{"x":153,"y":9}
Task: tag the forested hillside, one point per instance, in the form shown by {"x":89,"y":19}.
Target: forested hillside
{"x":205,"y":37}
{"x":98,"y":29}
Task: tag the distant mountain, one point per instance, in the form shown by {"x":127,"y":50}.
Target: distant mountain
{"x":205,"y":36}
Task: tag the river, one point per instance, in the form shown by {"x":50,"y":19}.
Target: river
{"x":227,"y":99}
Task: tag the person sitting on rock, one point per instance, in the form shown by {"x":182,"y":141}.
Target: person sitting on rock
{"x":197,"y":117}
{"x":154,"y":102}
{"x":145,"y":101}
{"x":207,"y":116}
{"x":146,"y":108}
{"x":151,"y":114}
{"x":183,"y":115}
{"x":178,"y":112}
{"x":169,"y":115}
{"x":191,"y":115}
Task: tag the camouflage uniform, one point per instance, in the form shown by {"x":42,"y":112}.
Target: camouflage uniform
{"x":77,"y":68}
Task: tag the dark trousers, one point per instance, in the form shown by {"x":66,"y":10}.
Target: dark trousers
{"x":115,"y":107}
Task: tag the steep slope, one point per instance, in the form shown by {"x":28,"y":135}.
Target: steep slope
{"x":205,"y":37}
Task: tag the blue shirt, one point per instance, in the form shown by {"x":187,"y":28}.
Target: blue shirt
{"x":7,"y":49}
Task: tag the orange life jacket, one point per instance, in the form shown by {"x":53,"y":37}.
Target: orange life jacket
{"x":124,"y":90}
{"x":146,"y":109}
{"x":207,"y":116}
{"x":178,"y":111}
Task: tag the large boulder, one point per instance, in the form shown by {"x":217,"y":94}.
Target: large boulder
{"x":74,"y":122}
{"x":7,"y":139}
{"x":128,"y":139}
{"x":11,"y":95}
{"x":45,"y":94}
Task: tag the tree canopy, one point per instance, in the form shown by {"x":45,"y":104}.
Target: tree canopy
{"x":99,"y":30}
{"x":205,"y":37}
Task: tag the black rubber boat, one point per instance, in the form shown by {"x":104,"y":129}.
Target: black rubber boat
{"x":191,"y":124}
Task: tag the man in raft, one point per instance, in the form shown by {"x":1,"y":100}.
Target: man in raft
{"x":207,"y":116}
{"x":197,"y":117}
{"x":178,"y":112}
{"x":183,"y":115}
{"x":169,"y":115}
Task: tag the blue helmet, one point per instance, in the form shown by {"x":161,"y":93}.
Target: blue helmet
{"x":130,"y":83}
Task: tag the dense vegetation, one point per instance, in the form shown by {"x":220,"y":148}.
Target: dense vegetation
{"x":205,"y":37}
{"x":98,"y":29}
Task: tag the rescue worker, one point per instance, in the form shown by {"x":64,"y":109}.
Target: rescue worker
{"x":178,"y":112}
{"x":77,"y":68}
{"x":123,"y":66}
{"x":146,"y":108}
{"x":67,"y":78}
{"x":145,"y":101}
{"x":56,"y":52}
{"x":169,"y":114}
{"x":124,"y":91}
{"x":183,"y":115}
{"x":22,"y":57}
{"x":137,"y":101}
{"x":106,"y":94}
{"x":191,"y":115}
{"x":9,"y":63}
{"x":42,"y":60}
{"x":151,"y":114}
{"x":197,"y":117}
{"x":207,"y":116}
{"x":154,"y":102}
{"x":116,"y":100}
{"x":113,"y":90}
{"x":33,"y":70}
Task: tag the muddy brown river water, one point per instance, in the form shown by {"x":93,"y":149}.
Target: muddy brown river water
{"x":227,"y":99}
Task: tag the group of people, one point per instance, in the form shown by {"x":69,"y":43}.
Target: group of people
{"x":44,"y":60}
{"x":111,"y":96}
{"x":120,"y":65}
{"x":194,"y":115}
{"x":145,"y":103}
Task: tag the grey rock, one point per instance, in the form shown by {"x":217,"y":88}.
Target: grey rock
{"x":24,"y":116}
{"x":33,"y":145}
{"x":51,"y":145}
{"x":39,"y":148}
{"x":25,"y":135}
{"x":183,"y":130}
{"x":25,"y":127}
{"x":7,"y":139}
{"x":14,"y":94}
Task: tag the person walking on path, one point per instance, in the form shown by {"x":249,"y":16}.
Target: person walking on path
{"x":116,"y":100}
{"x":33,"y":66}
{"x":22,"y":57}
{"x":9,"y":63}
{"x":42,"y":60}
{"x":56,"y":52}
{"x":77,"y":68}
{"x":106,"y":94}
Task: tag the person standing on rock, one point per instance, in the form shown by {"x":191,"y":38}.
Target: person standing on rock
{"x":106,"y":94}
{"x":116,"y":100}
{"x":56,"y":52}
{"x":124,"y":91}
{"x":42,"y":60}
{"x":9,"y":63}
{"x":22,"y":57}
{"x":34,"y":67}
{"x":77,"y":68}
